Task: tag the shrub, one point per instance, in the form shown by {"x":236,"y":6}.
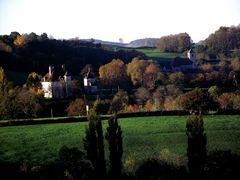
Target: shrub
{"x":101,"y":106}
{"x":74,"y":163}
{"x":119,"y":102}
{"x":76,"y":108}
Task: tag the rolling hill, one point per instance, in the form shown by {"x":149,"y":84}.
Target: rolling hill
{"x":147,"y":42}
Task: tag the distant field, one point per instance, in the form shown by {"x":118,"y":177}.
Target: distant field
{"x":155,"y":53}
{"x":143,"y":137}
{"x":163,"y":58}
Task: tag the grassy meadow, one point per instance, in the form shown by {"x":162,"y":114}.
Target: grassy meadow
{"x":163,"y":58}
{"x":152,"y":53}
{"x":155,"y":53}
{"x":143,"y":137}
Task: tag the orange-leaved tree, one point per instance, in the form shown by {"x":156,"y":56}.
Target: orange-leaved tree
{"x":113,"y":73}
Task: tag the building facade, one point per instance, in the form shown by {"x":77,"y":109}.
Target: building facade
{"x":57,"y":83}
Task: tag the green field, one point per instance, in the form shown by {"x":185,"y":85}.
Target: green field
{"x":163,"y":58}
{"x":143,"y":137}
{"x":155,"y":53}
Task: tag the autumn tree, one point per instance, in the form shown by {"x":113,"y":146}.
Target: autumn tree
{"x":119,"y":102}
{"x":34,"y":80}
{"x":151,"y":75}
{"x":28,"y":103}
{"x":206,"y":67}
{"x":215,"y":78}
{"x":142,"y":95}
{"x":113,"y":73}
{"x":223,"y":40}
{"x":20,"y":41}
{"x":136,"y":69}
{"x":235,"y":64}
{"x":93,"y":144}
{"x":114,"y":138}
{"x":5,"y":85}
{"x":149,"y":106}
{"x":9,"y":107}
{"x":195,"y":100}
{"x":5,"y":47}
{"x":236,"y":102}
{"x":214,"y":91}
{"x":13,"y":35}
{"x":225,"y":100}
{"x":197,"y":141}
{"x":176,"y":78}
{"x":197,"y":80}
{"x":175,"y":43}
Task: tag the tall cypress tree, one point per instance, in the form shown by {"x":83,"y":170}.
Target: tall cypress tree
{"x":94,"y":145}
{"x":197,"y":141}
{"x":114,"y":138}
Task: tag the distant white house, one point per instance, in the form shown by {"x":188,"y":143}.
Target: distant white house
{"x":57,"y":83}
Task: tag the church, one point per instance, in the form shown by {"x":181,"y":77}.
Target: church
{"x":183,"y":64}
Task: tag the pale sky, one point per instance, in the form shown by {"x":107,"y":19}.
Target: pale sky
{"x":113,"y":19}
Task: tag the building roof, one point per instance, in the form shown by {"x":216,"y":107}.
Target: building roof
{"x":177,"y":62}
{"x":55,"y":73}
{"x":89,"y":75}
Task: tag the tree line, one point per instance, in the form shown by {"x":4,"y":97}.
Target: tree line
{"x":224,"y":42}
{"x":143,"y":86}
{"x":175,"y":43}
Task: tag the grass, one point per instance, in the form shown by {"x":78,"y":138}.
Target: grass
{"x":143,"y":137}
{"x":163,"y":58}
{"x":155,"y":53}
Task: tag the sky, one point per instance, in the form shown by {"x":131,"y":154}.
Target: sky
{"x":111,"y":20}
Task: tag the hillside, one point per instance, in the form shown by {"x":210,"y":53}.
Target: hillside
{"x":110,"y":43}
{"x":37,"y":54}
{"x":147,"y":42}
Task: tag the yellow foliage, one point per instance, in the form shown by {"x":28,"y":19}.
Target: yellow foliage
{"x":149,"y":106}
{"x":113,"y":73}
{"x":5,"y":47}
{"x":20,"y":41}
{"x":136,"y":70}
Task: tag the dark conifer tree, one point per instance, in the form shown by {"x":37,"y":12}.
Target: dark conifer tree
{"x":94,"y":145}
{"x":114,"y":138}
{"x":197,"y":141}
